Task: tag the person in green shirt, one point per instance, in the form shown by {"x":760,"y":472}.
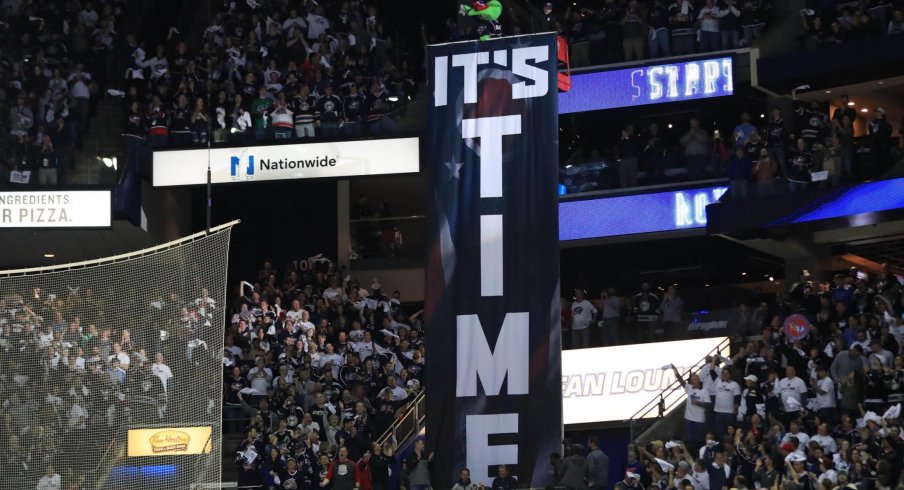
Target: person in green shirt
{"x":260,"y":113}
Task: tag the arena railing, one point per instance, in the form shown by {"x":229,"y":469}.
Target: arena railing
{"x":670,"y":397}
{"x":408,"y":422}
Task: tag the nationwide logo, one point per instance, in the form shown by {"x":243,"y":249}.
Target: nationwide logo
{"x":236,"y":163}
{"x":240,"y":167}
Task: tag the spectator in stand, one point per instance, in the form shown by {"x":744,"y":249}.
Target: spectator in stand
{"x":181,"y":124}
{"x":659,"y":34}
{"x":672,"y":308}
{"x":801,"y":166}
{"x":282,"y":117}
{"x":730,"y":25}
{"x":379,"y":120}
{"x":726,"y":401}
{"x":611,"y":306}
{"x":574,"y":472}
{"x":743,"y":130}
{"x":582,"y":313}
{"x":683,"y":16}
{"x":418,"y":467}
{"x":464,"y":481}
{"x":843,"y":130}
{"x":260,"y":114}
{"x":740,"y":172}
{"x":303,"y":108}
{"x":634,"y":30}
{"x":765,"y":172}
{"x":47,"y":163}
{"x":200,"y":131}
{"x":880,"y":136}
{"x":354,"y":110}
{"x":628,"y":152}
{"x":158,"y":122}
{"x":710,"y":35}
{"x":329,"y":113}
{"x":79,"y":82}
{"x":777,"y":140}
{"x":696,"y":148}
{"x":599,"y":465}
{"x":504,"y":480}
{"x":697,"y":402}
{"x":896,"y":24}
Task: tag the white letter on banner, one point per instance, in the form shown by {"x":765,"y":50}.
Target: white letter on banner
{"x":469,"y":62}
{"x":440,"y":80}
{"x":491,"y":241}
{"x":480,"y":454}
{"x":474,"y":356}
{"x":539,"y":76}
{"x":490,"y":130}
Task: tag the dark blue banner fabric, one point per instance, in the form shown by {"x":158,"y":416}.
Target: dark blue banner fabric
{"x":494,"y":391}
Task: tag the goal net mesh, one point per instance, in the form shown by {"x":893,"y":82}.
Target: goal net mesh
{"x":111,"y":372}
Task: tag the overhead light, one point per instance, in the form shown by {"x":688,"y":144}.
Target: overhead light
{"x":569,"y":166}
{"x":109,"y":162}
{"x":670,"y":125}
{"x":828,"y":91}
{"x":771,"y":279}
{"x":392,"y":98}
{"x":762,"y":116}
{"x":851,"y":103}
{"x":49,"y":256}
{"x":743,"y":273}
{"x":707,"y":284}
{"x":864,"y":110}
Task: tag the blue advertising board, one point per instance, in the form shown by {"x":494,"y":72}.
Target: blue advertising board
{"x":643,"y":213}
{"x":644,"y":85}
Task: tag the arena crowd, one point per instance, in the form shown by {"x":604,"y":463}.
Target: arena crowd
{"x":317,"y":369}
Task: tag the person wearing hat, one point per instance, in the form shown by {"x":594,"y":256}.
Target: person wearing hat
{"x":752,"y":400}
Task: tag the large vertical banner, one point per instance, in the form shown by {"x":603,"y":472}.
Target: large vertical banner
{"x":494,"y":391}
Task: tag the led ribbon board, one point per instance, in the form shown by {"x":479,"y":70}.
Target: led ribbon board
{"x":645,"y":85}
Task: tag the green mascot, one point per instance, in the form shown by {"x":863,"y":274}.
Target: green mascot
{"x":488,"y":11}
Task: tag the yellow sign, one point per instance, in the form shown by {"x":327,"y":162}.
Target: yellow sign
{"x":169,"y":442}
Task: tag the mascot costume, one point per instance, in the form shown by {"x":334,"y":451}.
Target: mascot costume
{"x":488,"y":12}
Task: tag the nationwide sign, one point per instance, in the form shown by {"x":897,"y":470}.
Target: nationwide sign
{"x":55,"y":209}
{"x":169,"y":442}
{"x":492,"y":197}
{"x":613,"y":383}
{"x":287,"y":162}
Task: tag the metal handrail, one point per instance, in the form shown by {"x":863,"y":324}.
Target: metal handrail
{"x":659,"y":403}
{"x":407,"y":423}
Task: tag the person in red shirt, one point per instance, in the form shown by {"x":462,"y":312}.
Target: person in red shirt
{"x":343,"y":474}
